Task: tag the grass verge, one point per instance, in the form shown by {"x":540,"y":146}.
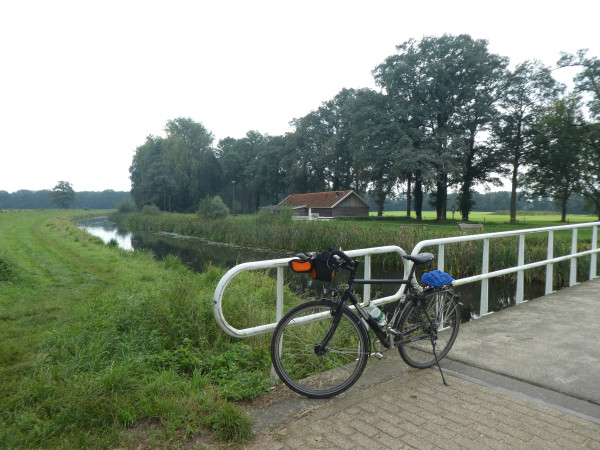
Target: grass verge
{"x":105,"y":348}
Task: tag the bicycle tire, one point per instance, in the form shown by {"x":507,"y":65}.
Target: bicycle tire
{"x":297,"y":361}
{"x":413,"y":324}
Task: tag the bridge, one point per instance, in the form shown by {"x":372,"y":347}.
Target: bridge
{"x":527,"y":376}
{"x":524,"y":377}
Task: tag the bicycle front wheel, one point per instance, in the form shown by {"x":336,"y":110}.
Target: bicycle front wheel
{"x":417,"y":331}
{"x":310,"y":369}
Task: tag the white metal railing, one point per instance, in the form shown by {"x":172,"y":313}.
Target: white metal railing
{"x":280,"y":264}
{"x":521,"y":266}
{"x":485,"y":275}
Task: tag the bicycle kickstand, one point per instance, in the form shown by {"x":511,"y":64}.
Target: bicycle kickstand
{"x":433,"y":341}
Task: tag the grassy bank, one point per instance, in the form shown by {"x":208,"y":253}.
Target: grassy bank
{"x":109,"y":349}
{"x":463,"y":259}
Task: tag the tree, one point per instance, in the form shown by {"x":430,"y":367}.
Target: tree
{"x":435,"y":83}
{"x":62,"y":195}
{"x":151,"y":181}
{"x":590,"y":173}
{"x":555,"y":163}
{"x":191,"y":162}
{"x":177,"y":171}
{"x":237,"y":158}
{"x":268,"y":176}
{"x":377,"y":143}
{"x":478,"y":160}
{"x":586,"y":81}
{"x":304,"y":164}
{"x":527,"y":90}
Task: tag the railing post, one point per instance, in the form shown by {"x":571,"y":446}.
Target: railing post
{"x":550,"y":266}
{"x":279,"y":306}
{"x":520,"y":273}
{"x":593,"y":258}
{"x":573,"y":274}
{"x":278,"y":313}
{"x":441,"y":257}
{"x":367,"y":287}
{"x":485,"y":266}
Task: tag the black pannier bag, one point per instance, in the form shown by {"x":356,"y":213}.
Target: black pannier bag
{"x":315,"y":263}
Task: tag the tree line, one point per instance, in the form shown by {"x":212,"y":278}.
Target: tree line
{"x":448,"y":115}
{"x":492,"y":202}
{"x":42,"y":199}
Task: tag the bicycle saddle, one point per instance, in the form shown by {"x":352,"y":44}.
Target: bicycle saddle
{"x":421,"y":258}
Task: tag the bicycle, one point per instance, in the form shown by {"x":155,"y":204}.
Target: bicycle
{"x":320,"y":348}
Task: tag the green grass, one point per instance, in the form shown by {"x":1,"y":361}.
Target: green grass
{"x":537,"y":218}
{"x":108,"y":349}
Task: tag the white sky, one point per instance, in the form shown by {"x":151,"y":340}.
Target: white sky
{"x":82,"y":83}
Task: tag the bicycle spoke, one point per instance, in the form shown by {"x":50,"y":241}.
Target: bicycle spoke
{"x":436,"y":319}
{"x":319,"y":373}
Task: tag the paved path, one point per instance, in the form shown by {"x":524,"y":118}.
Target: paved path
{"x":526,"y":377}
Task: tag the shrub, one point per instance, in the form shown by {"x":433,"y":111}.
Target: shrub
{"x":151,"y":210}
{"x":213,"y":207}
{"x":125,"y":206}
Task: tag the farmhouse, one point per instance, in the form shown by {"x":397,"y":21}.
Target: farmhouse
{"x":327,"y":204}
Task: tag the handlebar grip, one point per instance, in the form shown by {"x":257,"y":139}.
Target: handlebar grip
{"x":341,"y":254}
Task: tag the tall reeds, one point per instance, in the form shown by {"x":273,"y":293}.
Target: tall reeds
{"x":276,"y":233}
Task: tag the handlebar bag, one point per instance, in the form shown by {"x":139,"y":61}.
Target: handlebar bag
{"x":316,"y":263}
{"x":322,"y":270}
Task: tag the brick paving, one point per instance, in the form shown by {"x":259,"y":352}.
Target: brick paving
{"x":415,"y":410}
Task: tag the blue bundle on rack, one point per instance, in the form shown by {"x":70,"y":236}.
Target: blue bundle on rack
{"x":437,"y":278}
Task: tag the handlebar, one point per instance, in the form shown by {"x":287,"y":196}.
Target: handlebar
{"x":341,"y":254}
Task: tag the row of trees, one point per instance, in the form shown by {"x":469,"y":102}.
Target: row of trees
{"x":62,"y":196}
{"x":449,"y":115}
{"x":492,"y":201}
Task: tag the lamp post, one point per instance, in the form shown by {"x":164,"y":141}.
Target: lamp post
{"x":233,"y":199}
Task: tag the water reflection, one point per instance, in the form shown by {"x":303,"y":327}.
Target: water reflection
{"x":108,"y":231}
{"x":196,"y":254}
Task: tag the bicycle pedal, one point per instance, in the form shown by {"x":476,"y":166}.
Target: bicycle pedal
{"x":378,"y":355}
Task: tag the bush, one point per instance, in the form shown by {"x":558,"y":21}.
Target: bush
{"x":213,"y":207}
{"x":125,"y":206}
{"x":151,"y":210}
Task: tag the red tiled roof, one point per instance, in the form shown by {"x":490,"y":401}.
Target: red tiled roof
{"x":315,"y":200}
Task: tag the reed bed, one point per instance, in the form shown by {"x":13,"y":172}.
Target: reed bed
{"x":281,"y":233}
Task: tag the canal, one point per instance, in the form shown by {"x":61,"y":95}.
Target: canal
{"x":197,"y":253}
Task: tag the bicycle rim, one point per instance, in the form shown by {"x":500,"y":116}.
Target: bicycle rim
{"x":414,"y":327}
{"x":312,"y":373}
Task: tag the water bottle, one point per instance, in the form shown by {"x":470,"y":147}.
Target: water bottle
{"x":378,"y":315}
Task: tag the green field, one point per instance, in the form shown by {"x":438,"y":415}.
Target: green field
{"x":103,"y":348}
{"x":537,"y":218}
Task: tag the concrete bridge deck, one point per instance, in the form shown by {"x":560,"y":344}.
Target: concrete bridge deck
{"x":524,"y":377}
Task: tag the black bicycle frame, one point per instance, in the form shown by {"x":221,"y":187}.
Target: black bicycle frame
{"x":348,"y":296}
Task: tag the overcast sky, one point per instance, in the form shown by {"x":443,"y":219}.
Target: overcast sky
{"x":82,"y":83}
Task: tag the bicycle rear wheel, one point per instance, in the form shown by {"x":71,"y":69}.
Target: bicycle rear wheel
{"x":416,"y":347}
{"x":306,"y":368}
